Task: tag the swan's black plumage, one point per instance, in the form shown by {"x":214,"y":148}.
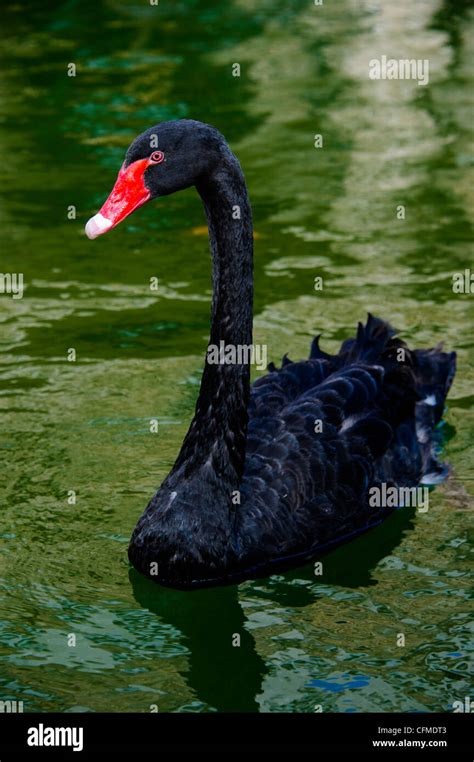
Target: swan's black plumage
{"x":273,"y":474}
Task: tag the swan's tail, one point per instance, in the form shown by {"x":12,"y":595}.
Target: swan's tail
{"x":434,"y":371}
{"x":416,"y":383}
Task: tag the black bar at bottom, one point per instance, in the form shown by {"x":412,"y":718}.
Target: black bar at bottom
{"x":55,"y":736}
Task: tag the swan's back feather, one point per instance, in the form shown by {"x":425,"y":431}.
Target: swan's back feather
{"x":321,"y":434}
{"x":324,"y":430}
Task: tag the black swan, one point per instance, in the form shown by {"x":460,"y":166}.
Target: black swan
{"x":273,"y":474}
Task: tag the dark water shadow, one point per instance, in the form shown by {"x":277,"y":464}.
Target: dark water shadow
{"x":350,"y":565}
{"x":450,"y":17}
{"x":221,"y":675}
{"x":229,"y":678}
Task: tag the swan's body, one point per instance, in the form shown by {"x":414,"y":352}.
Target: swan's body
{"x":272,"y":475}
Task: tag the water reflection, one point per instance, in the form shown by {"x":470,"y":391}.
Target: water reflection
{"x":351,"y":565}
{"x":222,"y":675}
{"x":230,"y":678}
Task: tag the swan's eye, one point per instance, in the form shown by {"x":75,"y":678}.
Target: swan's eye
{"x":157,"y":157}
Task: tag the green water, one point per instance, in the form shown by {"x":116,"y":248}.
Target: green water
{"x":85,"y":425}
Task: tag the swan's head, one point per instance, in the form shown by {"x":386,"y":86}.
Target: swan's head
{"x":166,"y":158}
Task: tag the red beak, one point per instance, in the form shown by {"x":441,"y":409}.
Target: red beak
{"x":128,"y":193}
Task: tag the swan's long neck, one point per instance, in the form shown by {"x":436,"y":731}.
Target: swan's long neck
{"x":215,"y":442}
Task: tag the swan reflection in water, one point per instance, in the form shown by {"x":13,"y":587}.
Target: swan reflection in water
{"x":229,"y":678}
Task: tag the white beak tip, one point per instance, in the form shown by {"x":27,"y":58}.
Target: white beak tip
{"x":97,"y":225}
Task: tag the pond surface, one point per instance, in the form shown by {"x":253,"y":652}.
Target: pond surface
{"x":81,"y":430}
